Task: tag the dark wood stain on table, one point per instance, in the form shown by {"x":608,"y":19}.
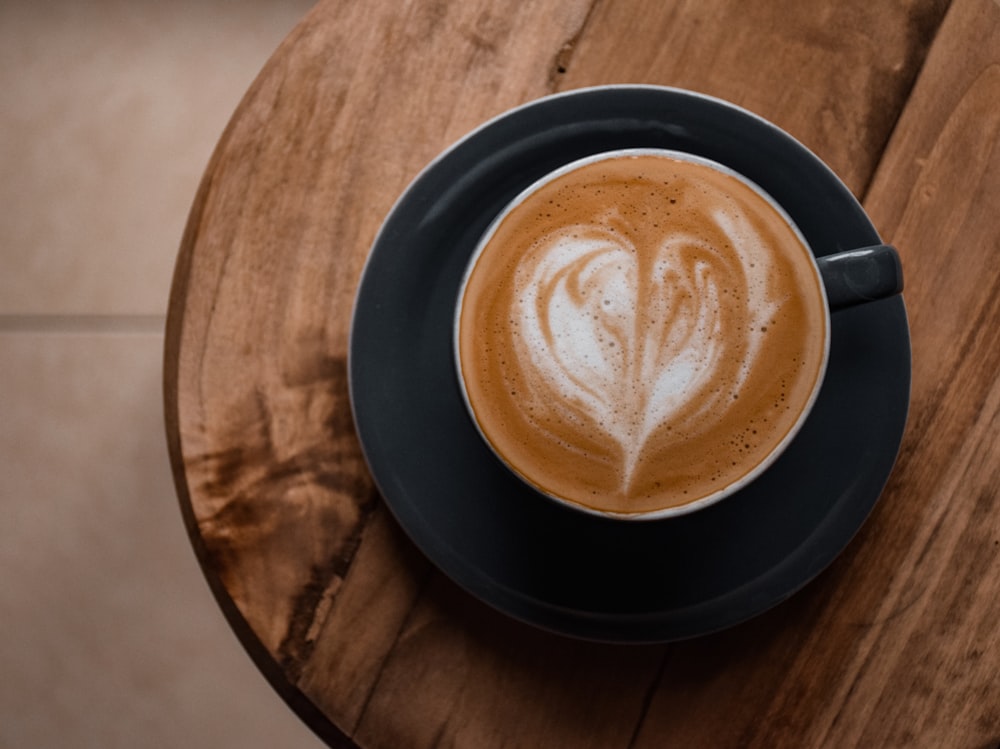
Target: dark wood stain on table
{"x":896,"y":644}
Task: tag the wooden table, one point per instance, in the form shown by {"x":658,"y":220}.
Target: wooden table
{"x":896,"y":644}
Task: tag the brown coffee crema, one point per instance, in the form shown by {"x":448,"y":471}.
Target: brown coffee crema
{"x":640,"y":333}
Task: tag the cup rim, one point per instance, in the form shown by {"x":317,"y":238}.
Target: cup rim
{"x":721,"y":493}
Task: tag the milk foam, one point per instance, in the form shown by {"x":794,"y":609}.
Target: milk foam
{"x":641,"y":333}
{"x":633,"y":349}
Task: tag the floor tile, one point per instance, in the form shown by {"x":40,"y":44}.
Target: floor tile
{"x":109,"y":112}
{"x":111,"y":637}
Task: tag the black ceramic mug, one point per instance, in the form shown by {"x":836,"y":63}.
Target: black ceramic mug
{"x":642,"y":332}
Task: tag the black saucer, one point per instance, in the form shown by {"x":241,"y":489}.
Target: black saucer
{"x":548,"y":565}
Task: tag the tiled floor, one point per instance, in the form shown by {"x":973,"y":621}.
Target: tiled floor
{"x":109,"y":110}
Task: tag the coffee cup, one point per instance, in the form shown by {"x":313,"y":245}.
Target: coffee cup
{"x":641,"y":333}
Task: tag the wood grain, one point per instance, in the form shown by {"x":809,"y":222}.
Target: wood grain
{"x":834,"y":75}
{"x":895,"y":645}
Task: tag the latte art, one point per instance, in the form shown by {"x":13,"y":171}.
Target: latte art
{"x":635,"y":334}
{"x":629,"y":348}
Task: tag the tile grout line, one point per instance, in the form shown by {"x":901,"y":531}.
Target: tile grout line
{"x":81,"y":323}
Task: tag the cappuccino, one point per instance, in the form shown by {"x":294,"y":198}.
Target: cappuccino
{"x":640,"y":332}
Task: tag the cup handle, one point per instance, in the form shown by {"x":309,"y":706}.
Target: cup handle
{"x":863,"y":275}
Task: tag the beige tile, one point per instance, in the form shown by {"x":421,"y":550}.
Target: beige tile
{"x":110,"y":635}
{"x":109,"y":110}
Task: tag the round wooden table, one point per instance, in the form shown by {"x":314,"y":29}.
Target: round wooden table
{"x":896,"y":644}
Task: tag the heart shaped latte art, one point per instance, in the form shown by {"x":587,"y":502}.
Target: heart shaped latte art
{"x":628,"y":340}
{"x":641,"y":332}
